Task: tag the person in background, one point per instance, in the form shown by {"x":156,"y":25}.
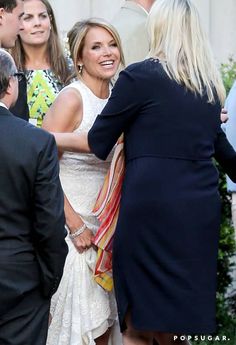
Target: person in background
{"x":32,"y":232}
{"x":130,"y":22}
{"x":82,"y":311}
{"x":11,"y":12}
{"x":230,"y":129}
{"x":38,"y":52}
{"x":166,"y":242}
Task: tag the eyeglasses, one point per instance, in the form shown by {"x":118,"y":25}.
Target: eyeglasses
{"x":19,"y":75}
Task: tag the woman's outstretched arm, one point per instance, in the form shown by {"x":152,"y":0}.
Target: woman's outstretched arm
{"x":72,"y":142}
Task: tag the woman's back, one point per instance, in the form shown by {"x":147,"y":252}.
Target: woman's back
{"x":176,"y":122}
{"x":164,"y":117}
{"x":170,"y":203}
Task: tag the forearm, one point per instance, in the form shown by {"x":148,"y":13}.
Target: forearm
{"x":72,"y":142}
{"x":81,"y":235}
{"x":73,"y":220}
{"x":225,"y":155}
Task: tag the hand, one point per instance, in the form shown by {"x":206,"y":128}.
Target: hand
{"x":224,"y":115}
{"x":83,"y":241}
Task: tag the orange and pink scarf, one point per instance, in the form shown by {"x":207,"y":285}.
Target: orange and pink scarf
{"x":106,"y":209}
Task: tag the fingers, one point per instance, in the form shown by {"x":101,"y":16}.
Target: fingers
{"x":224,"y":115}
{"x":80,"y":245}
{"x":83,"y":241}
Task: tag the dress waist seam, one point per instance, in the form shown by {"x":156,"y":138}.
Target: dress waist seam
{"x":187,"y":158}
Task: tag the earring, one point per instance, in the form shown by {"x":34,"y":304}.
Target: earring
{"x":80,"y":68}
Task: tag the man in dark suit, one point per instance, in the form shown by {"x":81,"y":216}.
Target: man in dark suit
{"x":11,"y":12}
{"x":32,"y":233}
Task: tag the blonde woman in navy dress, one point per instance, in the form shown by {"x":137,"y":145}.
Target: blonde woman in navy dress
{"x":166,"y":240}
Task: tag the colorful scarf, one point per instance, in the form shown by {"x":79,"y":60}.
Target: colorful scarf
{"x":106,"y":209}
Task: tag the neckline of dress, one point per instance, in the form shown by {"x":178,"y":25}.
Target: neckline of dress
{"x":79,"y":81}
{"x":39,"y":70}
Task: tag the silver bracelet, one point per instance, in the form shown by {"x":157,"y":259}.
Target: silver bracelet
{"x":78,"y":232}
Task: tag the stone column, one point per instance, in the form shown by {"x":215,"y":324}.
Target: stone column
{"x":223,"y":29}
{"x":70,"y":11}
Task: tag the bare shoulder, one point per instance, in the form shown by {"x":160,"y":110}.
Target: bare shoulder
{"x":66,"y":112}
{"x":69,"y":97}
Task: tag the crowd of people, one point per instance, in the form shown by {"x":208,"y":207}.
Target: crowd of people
{"x":154,"y":82}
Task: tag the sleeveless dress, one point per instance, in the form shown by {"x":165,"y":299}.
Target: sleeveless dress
{"x":81,"y":310}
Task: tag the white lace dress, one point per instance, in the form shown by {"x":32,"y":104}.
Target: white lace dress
{"x":81,"y":310}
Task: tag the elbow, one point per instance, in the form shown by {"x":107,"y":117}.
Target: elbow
{"x":87,"y":147}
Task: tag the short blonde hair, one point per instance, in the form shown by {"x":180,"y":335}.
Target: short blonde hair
{"x":177,"y":37}
{"x":76,"y":37}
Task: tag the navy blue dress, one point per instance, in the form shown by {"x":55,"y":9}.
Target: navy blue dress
{"x":166,"y":241}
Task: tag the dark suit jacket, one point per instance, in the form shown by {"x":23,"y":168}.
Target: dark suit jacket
{"x":32,"y":232}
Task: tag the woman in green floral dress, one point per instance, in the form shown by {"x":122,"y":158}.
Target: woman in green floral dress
{"x":39,"y":54}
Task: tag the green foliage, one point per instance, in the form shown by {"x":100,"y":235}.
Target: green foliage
{"x":226,"y":243}
{"x":228,"y":72}
{"x":226,"y":310}
{"x":226,"y":313}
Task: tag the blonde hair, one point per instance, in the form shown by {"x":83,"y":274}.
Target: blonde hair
{"x":76,"y":37}
{"x":176,"y":36}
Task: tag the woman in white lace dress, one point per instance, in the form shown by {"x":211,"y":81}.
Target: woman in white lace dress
{"x":82,"y":312}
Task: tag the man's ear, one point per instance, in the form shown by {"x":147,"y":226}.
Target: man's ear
{"x":10,"y":87}
{"x":2,"y":11}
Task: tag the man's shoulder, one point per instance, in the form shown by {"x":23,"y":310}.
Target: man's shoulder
{"x":134,"y":7}
{"x":24,"y":129}
{"x":130,"y":11}
{"x":34,"y":133}
{"x":130,"y":24}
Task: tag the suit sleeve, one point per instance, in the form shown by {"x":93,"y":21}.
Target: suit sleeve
{"x":225,"y":155}
{"x":116,"y":117}
{"x":49,"y":225}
